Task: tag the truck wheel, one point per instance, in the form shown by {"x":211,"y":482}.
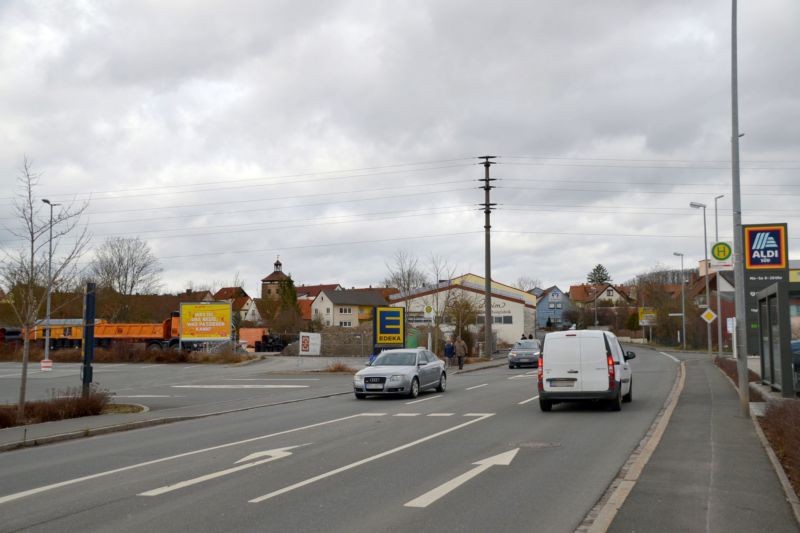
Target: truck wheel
{"x":154,"y":347}
{"x":545,"y":405}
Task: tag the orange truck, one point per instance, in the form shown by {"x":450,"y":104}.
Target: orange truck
{"x":150,"y":336}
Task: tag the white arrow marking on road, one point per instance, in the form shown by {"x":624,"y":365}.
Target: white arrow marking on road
{"x":481,"y":416}
{"x":271,"y":455}
{"x":502,"y":459}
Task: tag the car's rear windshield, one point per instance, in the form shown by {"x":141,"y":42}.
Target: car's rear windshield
{"x":527,"y":345}
{"x":396,"y":359}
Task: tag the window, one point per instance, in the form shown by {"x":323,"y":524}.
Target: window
{"x":345,"y":311}
{"x":327,"y":310}
{"x":345,"y":323}
{"x":555,"y":295}
{"x":551,"y":305}
{"x":610,"y":293}
{"x":558,"y":305}
{"x":269,"y":291}
{"x":507,"y":319}
{"x":327,"y":322}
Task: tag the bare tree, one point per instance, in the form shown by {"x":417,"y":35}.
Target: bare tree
{"x":122,"y":267}
{"x":127,"y":265}
{"x":526,"y":283}
{"x":441,"y":299}
{"x":24,"y":273}
{"x":405,"y":274}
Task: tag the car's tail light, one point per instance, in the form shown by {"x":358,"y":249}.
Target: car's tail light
{"x":540,"y":373}
{"x":612,"y":378}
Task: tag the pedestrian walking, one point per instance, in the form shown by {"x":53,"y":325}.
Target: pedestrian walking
{"x":449,"y":352}
{"x":461,"y":352}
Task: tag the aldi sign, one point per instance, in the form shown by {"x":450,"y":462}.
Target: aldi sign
{"x":766,"y":262}
{"x":765,"y":247}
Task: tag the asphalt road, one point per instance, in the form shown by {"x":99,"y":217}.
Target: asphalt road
{"x":479,"y":457}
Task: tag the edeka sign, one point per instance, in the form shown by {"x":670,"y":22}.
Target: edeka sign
{"x":766,"y":261}
{"x":389,"y":327}
{"x":765,"y":247}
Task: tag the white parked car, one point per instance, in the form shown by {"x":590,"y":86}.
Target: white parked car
{"x":579,"y":365}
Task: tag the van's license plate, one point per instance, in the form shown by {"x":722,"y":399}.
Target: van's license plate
{"x":562,"y":383}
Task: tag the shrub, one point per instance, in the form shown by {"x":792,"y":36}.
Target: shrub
{"x":339,"y":368}
{"x":61,"y":405}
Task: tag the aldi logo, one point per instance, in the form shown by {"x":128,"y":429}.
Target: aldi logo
{"x":765,"y":247}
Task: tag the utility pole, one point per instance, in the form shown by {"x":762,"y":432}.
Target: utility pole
{"x":716,"y":278}
{"x":738,"y":241}
{"x":683,"y":302}
{"x":46,"y":366}
{"x":487,"y":210}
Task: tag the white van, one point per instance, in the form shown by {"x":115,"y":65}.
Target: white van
{"x":578,"y":365}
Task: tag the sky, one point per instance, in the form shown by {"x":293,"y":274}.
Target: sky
{"x":337,"y":134}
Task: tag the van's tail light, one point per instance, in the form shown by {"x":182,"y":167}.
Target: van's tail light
{"x":612,"y":378}
{"x":540,"y":373}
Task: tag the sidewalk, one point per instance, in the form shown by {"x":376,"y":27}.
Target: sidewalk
{"x":710,"y":471}
{"x":73,"y":428}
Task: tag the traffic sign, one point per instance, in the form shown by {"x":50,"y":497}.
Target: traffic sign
{"x":709,"y":316}
{"x":429,"y":311}
{"x":722,"y":255}
{"x":46,"y":365}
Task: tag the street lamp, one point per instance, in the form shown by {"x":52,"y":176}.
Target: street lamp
{"x":683,"y":302}
{"x":49,"y":281}
{"x":719,"y":312}
{"x":698,"y":205}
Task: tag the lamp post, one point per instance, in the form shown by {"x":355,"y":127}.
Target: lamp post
{"x":49,"y":281}
{"x":683,"y":302}
{"x":698,"y":205}
{"x":716,"y":275}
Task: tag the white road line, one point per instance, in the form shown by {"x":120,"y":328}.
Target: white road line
{"x":521,"y":376}
{"x":523,"y":402}
{"x":406,"y":414}
{"x":147,"y":396}
{"x":478,"y":386}
{"x":239,"y":386}
{"x":381,"y":455}
{"x":271,"y":379}
{"x":671,"y":357}
{"x":424,"y":399}
{"x":45,"y":488}
{"x":440,"y":414}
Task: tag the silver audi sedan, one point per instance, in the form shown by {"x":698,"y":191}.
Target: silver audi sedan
{"x":403,"y":371}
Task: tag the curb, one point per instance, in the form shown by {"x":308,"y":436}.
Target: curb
{"x":600,"y":517}
{"x":139,"y":424}
{"x":788,"y":490}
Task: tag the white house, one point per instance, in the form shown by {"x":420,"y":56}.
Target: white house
{"x":346,"y":307}
{"x":513,"y":310}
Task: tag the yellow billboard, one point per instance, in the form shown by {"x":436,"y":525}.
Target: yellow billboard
{"x":205,"y":321}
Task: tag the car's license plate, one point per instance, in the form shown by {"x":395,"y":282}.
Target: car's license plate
{"x":374,"y":386}
{"x":524,"y":360}
{"x":562,"y":383}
